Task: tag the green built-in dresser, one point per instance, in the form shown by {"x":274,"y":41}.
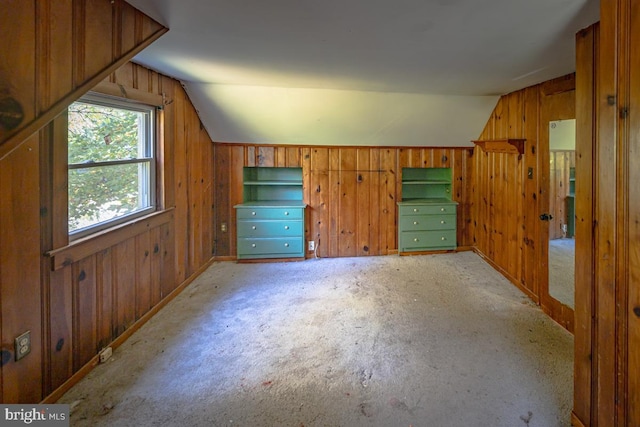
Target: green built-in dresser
{"x":270,"y":221}
{"x":426,"y":214}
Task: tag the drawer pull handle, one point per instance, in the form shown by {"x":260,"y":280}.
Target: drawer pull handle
{"x":415,"y":222}
{"x":286,"y":213}
{"x":253,"y":213}
{"x":286,"y":245}
{"x":253,"y":245}
{"x":444,"y":238}
{"x":253,"y":228}
{"x":442,"y":222}
{"x":415,"y":209}
{"x":415,"y":239}
{"x":442,"y":209}
{"x":286,"y":227}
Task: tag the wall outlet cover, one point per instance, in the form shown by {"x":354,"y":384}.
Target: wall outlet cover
{"x":23,"y":345}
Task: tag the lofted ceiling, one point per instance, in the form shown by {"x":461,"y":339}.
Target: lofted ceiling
{"x":281,"y":55}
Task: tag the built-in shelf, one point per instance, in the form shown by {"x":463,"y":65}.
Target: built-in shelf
{"x":507,"y":145}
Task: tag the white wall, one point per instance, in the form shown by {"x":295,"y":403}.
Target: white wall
{"x":276,"y":115}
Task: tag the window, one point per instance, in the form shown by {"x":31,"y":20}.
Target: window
{"x":111,"y":163}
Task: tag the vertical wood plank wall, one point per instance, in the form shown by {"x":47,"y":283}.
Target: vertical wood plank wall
{"x":63,"y":48}
{"x":82,"y":305}
{"x":586,"y":54}
{"x":560,"y":164}
{"x":607,"y":340}
{"x":351,"y":192}
{"x":508,"y":192}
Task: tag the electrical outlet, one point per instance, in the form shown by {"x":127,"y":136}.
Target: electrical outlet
{"x":223,"y":227}
{"x":312,"y":245}
{"x":23,"y":345}
{"x":105,"y":354}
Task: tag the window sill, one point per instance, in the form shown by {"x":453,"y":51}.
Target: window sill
{"x":102,"y":240}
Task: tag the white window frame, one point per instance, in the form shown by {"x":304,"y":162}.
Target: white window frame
{"x":148,"y":158}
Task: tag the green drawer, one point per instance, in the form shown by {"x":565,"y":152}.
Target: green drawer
{"x":270,"y":213}
{"x":427,"y":222}
{"x":268,"y":228}
{"x":427,"y":209}
{"x":277,"y":247}
{"x":427,"y":240}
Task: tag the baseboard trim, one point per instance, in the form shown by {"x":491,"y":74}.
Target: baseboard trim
{"x":575,"y":421}
{"x":512,"y":279}
{"x":89,"y":366}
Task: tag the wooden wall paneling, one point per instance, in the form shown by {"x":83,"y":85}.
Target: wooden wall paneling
{"x":531,"y":176}
{"x":143,"y":286}
{"x":195,"y":191}
{"x":181,"y":192}
{"x":334,"y":206}
{"x":53,"y":226}
{"x":320,"y":200}
{"x":20,"y":290}
{"x":266,"y":156}
{"x":127,"y":30}
{"x":168,"y":260}
{"x":167,"y":142}
{"x":364,"y":187}
{"x":155,"y":266}
{"x":456,"y":163}
{"x":250,"y":156}
{"x":502,"y":201}
{"x":605,"y":351}
{"x":305,"y":164}
{"x":59,"y":349}
{"x":207,"y":192}
{"x":222,"y":203}
{"x":18,"y":30}
{"x":623,"y":213}
{"x":96,"y":28}
{"x":555,"y":195}
{"x":501,"y":126}
{"x":53,"y":51}
{"x":84,"y":311}
{"x":234,"y":192}
{"x":126,"y":76}
{"x":348,"y":213}
{"x":125,"y":288}
{"x":467,"y":197}
{"x":294,"y":156}
{"x":389,"y":197}
{"x":633,"y":304}
{"x":375,"y":225}
{"x":46,"y":233}
{"x":105,"y":317}
{"x":67,"y":38}
{"x":512,"y":166}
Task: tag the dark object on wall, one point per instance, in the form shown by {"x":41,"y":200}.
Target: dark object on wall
{"x":11,"y":113}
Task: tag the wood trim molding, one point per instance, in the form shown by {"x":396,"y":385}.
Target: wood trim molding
{"x":83,"y":248}
{"x":502,"y":271}
{"x":88,"y":367}
{"x":575,"y":421}
{"x":390,"y":147}
{"x":136,"y":95}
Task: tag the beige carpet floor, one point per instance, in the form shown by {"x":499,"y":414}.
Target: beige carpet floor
{"x":436,"y":340}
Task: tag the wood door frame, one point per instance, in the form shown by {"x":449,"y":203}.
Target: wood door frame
{"x":556,"y":104}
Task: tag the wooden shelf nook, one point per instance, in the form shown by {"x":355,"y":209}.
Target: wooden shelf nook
{"x":507,"y":145}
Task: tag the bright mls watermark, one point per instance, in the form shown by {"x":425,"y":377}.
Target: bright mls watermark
{"x":34,"y":415}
